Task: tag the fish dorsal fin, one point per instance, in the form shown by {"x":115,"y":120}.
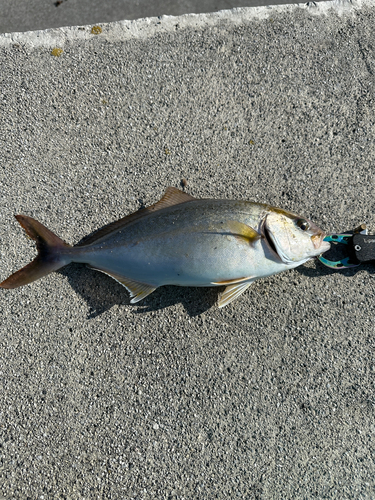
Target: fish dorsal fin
{"x":137,"y":290}
{"x":172,"y":196}
{"x":243,"y":232}
{"x":232,"y":292}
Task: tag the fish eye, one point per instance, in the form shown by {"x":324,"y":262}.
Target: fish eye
{"x":303,"y":224}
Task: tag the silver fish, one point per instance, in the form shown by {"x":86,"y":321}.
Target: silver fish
{"x":183,"y":241}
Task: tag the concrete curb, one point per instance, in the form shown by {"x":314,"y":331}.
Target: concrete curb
{"x":147,"y":27}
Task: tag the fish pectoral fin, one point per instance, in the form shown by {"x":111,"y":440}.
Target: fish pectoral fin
{"x":232,"y":292}
{"x":137,"y":290}
{"x":243,"y":232}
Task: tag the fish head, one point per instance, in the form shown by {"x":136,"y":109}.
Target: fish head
{"x":294,"y":239}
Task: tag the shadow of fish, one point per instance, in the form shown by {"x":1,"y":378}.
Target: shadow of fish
{"x":183,"y":241}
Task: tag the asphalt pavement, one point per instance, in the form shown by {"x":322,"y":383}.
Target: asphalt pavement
{"x":271,"y":397}
{"x":21,"y":15}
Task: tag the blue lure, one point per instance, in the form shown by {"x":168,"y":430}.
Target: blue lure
{"x":343,"y":263}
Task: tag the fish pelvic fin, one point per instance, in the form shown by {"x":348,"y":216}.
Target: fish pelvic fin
{"x":137,"y":290}
{"x":232,"y":292}
{"x":48,"y":259}
{"x":231,"y":282}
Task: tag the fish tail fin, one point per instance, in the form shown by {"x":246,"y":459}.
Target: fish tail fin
{"x":49,"y":258}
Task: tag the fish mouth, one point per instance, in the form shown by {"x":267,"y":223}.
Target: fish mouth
{"x":317,"y":239}
{"x":319,"y":243}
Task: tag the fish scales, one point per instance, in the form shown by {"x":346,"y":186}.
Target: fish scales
{"x":189,"y":246}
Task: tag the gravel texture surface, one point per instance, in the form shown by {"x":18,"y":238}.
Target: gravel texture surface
{"x":271,"y":397}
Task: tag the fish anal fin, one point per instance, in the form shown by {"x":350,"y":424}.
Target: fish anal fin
{"x":172,"y":196}
{"x":232,"y":292}
{"x":243,"y":232}
{"x":137,"y":290}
